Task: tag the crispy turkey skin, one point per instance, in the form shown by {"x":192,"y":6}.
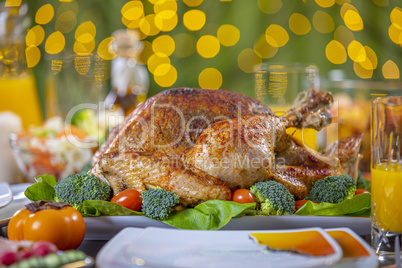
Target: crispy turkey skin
{"x":201,"y":144}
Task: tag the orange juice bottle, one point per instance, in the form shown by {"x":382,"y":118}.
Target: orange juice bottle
{"x":17,"y":85}
{"x":386,"y":183}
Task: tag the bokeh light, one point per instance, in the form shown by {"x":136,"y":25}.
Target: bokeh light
{"x":395,"y":34}
{"x":164,"y":5}
{"x":133,"y":10}
{"x":396,"y":17}
{"x":356,"y":51}
{"x":345,"y":7}
{"x":35,"y":36}
{"x":276,"y":35}
{"x":248,"y":61}
{"x":335,"y":52}
{"x":194,"y":19}
{"x":155,"y":60}
{"x":44,"y":14}
{"x":210,"y":78}
{"x":166,"y":20}
{"x":165,"y":75}
{"x":12,"y":3}
{"x":263,"y":49}
{"x":353,"y":20}
{"x":299,"y":24}
{"x":371,"y":61}
{"x":390,"y":70}
{"x":323,"y":22}
{"x":270,"y":6}
{"x":163,"y":44}
{"x":343,"y":35}
{"x":55,"y":43}
{"x":32,"y":54}
{"x":361,"y":72}
{"x":228,"y":35}
{"x":192,"y":3}
{"x":147,"y":25}
{"x":325,"y":3}
{"x":86,"y":32}
{"x":84,"y":48}
{"x":104,"y":50}
{"x":66,"y":21}
{"x":208,"y":46}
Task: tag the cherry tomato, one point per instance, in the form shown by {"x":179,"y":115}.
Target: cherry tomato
{"x":242,"y":196}
{"x":129,"y":198}
{"x":64,"y":227}
{"x":361,"y":191}
{"x":300,"y":203}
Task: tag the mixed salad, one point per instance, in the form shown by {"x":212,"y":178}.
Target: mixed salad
{"x":49,"y":149}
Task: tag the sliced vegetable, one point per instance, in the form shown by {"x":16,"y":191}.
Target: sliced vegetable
{"x":128,"y":198}
{"x":243,"y":196}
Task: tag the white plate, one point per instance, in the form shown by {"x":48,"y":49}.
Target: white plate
{"x":104,"y":228}
{"x":19,"y":200}
{"x":161,"y":247}
{"x":6,"y":196}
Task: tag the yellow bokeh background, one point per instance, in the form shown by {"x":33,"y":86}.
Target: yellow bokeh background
{"x":221,"y":44}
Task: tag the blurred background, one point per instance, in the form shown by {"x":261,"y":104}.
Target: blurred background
{"x":58,"y":54}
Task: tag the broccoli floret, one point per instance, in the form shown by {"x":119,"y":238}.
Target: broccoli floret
{"x":332,"y":189}
{"x":273,"y":198}
{"x":157,"y":203}
{"x":76,"y":188}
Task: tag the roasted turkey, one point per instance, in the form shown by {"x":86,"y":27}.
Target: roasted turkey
{"x":201,"y":144}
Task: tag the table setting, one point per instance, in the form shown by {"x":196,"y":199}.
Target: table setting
{"x":168,"y":133}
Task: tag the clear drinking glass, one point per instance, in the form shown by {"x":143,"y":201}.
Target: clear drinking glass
{"x":386,"y":177}
{"x":278,"y":84}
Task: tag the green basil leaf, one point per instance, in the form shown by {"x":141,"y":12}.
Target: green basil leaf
{"x":358,"y":205}
{"x":209,"y":215}
{"x":106,"y":208}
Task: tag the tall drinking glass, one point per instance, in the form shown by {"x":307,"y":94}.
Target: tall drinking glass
{"x":278,"y":84}
{"x":386,"y":177}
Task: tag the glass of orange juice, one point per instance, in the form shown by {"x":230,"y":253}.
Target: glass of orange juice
{"x":278,"y":84}
{"x":386,"y":177}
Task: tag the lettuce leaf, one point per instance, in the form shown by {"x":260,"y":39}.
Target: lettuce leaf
{"x":42,"y":189}
{"x":96,"y":208}
{"x":358,"y":205}
{"x":209,"y":215}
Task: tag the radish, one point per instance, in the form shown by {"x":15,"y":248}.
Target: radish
{"x":8,"y":257}
{"x":42,"y":248}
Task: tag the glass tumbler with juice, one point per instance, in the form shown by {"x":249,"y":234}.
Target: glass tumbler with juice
{"x":386,"y":176}
{"x":18,"y":92}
